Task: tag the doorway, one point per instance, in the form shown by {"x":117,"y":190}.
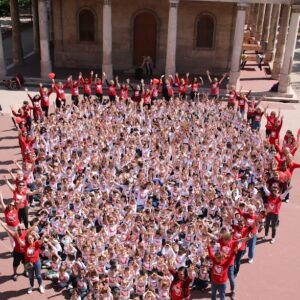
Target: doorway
{"x":144,"y":37}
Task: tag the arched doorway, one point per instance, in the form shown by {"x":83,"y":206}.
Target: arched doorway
{"x":144,"y":37}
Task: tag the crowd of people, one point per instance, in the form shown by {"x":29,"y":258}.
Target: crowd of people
{"x":144,"y":196}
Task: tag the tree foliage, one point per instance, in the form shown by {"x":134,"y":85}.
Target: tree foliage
{"x":4,"y":6}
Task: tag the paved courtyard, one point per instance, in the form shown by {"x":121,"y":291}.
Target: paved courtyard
{"x":275,"y":271}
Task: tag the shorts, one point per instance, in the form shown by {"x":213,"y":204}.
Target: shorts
{"x":18,"y":258}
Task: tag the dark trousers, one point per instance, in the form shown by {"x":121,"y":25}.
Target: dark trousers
{"x":75,"y":100}
{"x":45,"y":109}
{"x":23,"y":215}
{"x":271,"y":219}
{"x":237,"y":261}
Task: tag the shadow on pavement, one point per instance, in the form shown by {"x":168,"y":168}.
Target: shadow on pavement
{"x":11,"y":137}
{"x":12,"y":294}
{"x":4,"y":255}
{"x":6,"y":162}
{"x":206,"y":294}
{"x":9,"y":147}
{"x":3,"y":279}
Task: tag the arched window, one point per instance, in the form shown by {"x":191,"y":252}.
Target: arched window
{"x":86,"y":26}
{"x":205,"y":31}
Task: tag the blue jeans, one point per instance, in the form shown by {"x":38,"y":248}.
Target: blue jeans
{"x":221,"y":288}
{"x":37,"y":271}
{"x":237,"y":261}
{"x":231,"y":277}
{"x":251,"y":245}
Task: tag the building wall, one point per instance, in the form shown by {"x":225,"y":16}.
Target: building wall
{"x":194,"y":59}
{"x":70,"y":52}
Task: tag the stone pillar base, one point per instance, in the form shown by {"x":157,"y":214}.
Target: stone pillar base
{"x":108,"y":69}
{"x":269,"y":56}
{"x":284,"y":82}
{"x":46,"y":68}
{"x":234,"y":79}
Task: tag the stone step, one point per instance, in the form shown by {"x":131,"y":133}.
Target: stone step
{"x":254,"y":47}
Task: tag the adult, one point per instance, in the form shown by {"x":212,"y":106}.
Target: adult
{"x":11,"y":216}
{"x":273,"y":209}
{"x":20,"y":198}
{"x":180,"y":286}
{"x":215,"y":85}
{"x":60,"y":93}
{"x":45,"y":101}
{"x":19,"y":249}
{"x":219,"y":273}
{"x":32,"y":259}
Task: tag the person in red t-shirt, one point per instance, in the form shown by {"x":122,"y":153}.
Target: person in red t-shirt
{"x":36,"y":103}
{"x":45,"y":103}
{"x":19,"y":249}
{"x":11,"y":216}
{"x":240,"y":231}
{"x":219,"y":271}
{"x":124,"y":89}
{"x":32,"y":260}
{"x":25,"y":114}
{"x":98,"y":84}
{"x":251,"y":220}
{"x":252,"y":104}
{"x":87,"y":85}
{"x":60,"y":93}
{"x":137,"y":91}
{"x":182,"y":85}
{"x":20,"y":197}
{"x":271,"y":120}
{"x":227,"y":246}
{"x":273,"y":209}
{"x":74,"y":85}
{"x":195,"y":85}
{"x":290,"y":141}
{"x":112,"y":92}
{"x":180,"y":289}
{"x":215,"y":85}
{"x":256,"y":122}
{"x":275,"y":132}
{"x":232,"y":97}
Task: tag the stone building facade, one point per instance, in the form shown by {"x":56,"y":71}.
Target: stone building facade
{"x":145,"y":22}
{"x":179,"y":35}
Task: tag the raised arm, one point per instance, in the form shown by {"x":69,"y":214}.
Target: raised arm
{"x":11,"y":187}
{"x":2,"y":202}
{"x":9,"y":231}
{"x":223,"y":77}
{"x":208,"y":76}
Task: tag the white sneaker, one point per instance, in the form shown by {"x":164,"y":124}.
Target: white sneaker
{"x":30,"y":290}
{"x":272,"y":241}
{"x":42,"y":290}
{"x":250,"y":261}
{"x":264,"y":238}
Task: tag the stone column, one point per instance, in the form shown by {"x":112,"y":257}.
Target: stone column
{"x":273,"y":32}
{"x":44,"y":39}
{"x":254,"y":18}
{"x":35,"y":25}
{"x":107,"y":66}
{"x":172,"y":37}
{"x":281,"y":39}
{"x":284,"y":77}
{"x":234,"y":77}
{"x":17,"y":48}
{"x":2,"y":59}
{"x":260,"y":21}
{"x":266,"y":27}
